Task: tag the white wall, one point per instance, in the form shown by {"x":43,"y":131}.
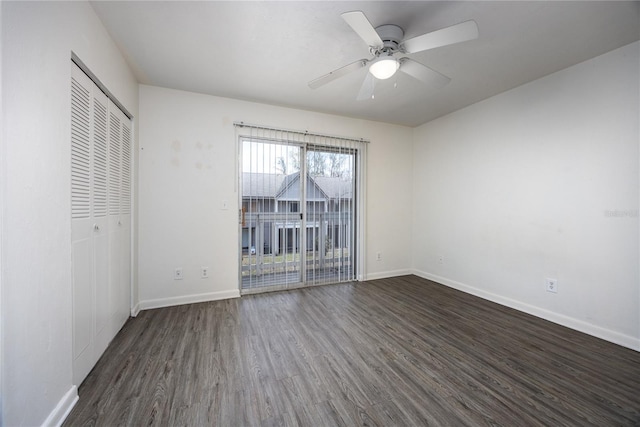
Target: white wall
{"x":519,"y":188}
{"x":37,"y":40}
{"x":188,"y":166}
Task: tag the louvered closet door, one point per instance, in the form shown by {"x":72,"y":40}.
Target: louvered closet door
{"x":100,"y":291}
{"x":81,"y":225}
{"x":124,"y":224}
{"x":119,"y":208}
{"x":99,"y":171}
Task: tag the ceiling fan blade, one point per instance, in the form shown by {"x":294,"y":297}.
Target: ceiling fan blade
{"x":423,"y":73}
{"x":367,"y":88}
{"x":454,"y":34}
{"x":361,"y":25}
{"x":320,"y":81}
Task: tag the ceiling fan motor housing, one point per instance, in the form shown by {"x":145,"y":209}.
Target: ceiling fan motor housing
{"x":391,"y":36}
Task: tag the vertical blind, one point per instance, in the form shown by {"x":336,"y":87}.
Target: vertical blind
{"x":302,"y":197}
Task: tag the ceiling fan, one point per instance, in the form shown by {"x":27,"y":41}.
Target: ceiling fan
{"x":386,"y":45}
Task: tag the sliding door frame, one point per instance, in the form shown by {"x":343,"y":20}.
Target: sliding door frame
{"x":305,"y":143}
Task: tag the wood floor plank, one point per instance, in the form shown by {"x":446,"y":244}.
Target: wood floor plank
{"x":398,"y":351}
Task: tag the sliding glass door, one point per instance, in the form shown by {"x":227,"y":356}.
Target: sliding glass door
{"x":297,"y":222}
{"x":330,"y":214}
{"x":271,"y":217}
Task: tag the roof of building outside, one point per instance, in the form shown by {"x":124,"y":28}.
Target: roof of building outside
{"x":268,"y":185}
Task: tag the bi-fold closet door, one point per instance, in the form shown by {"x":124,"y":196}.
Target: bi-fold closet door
{"x":100,"y":220}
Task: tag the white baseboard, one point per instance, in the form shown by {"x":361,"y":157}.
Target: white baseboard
{"x":62,"y":409}
{"x":135,"y":310}
{"x":570,"y":322}
{"x":187,"y":299}
{"x":387,"y":274}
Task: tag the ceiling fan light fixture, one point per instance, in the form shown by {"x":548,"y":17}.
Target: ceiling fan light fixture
{"x":384,"y":67}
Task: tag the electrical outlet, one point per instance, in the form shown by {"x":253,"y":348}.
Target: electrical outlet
{"x":552,"y":285}
{"x":379,"y":256}
{"x":177,"y":274}
{"x":441,"y":259}
{"x":205,"y":272}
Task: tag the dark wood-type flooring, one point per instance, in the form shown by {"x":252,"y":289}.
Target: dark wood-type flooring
{"x":400,"y":351}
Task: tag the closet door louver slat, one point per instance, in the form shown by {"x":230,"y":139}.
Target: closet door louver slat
{"x":125,"y":194}
{"x":80,"y":151}
{"x":100,"y":159}
{"x":114,"y":163}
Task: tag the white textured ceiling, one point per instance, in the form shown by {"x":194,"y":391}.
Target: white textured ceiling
{"x":268,"y":51}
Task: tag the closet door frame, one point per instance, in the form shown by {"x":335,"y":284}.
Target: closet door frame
{"x":100,"y":204}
